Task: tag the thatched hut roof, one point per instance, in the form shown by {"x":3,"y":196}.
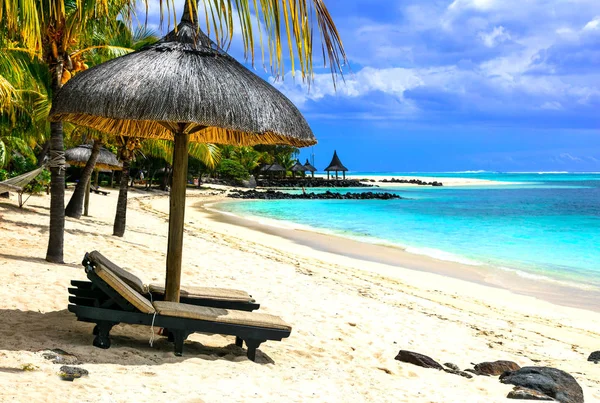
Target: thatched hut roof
{"x":275,"y":167}
{"x":336,"y":164}
{"x":309,"y":166}
{"x":78,"y":156}
{"x":183,"y":82}
{"x":298,"y":167}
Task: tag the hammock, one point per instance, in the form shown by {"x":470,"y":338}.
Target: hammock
{"x":18,"y":183}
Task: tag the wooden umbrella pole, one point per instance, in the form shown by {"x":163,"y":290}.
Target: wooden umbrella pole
{"x":176,"y":216}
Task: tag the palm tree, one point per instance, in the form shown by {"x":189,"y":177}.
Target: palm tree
{"x":50,"y":29}
{"x":124,"y":40}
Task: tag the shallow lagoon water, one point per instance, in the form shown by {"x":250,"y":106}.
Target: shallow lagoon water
{"x":548,"y":226}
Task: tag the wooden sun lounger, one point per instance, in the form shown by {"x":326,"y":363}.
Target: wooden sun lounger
{"x":204,"y":296}
{"x":96,"y":189}
{"x":122,"y":304}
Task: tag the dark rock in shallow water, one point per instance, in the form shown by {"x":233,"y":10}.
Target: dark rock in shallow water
{"x":418,"y":359}
{"x":459,"y":373}
{"x":550,"y":381}
{"x":312,"y":183}
{"x":496,"y":367}
{"x":595,"y":356}
{"x":274,"y":195}
{"x":412,"y":182}
{"x":68,"y":373}
{"x":528,"y":394}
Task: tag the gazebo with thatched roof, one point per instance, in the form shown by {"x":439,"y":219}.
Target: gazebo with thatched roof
{"x":298,"y":167}
{"x":271,"y":169}
{"x":337,"y":166}
{"x":310,"y":168}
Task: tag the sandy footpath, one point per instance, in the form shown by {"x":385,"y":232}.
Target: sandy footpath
{"x":349,"y":316}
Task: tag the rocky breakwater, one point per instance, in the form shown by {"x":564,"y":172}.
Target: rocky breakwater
{"x":312,"y":183}
{"x":274,"y":195}
{"x":412,"y":182}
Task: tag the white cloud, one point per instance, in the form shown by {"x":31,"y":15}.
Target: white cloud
{"x":497,"y":36}
{"x":593,"y":25}
{"x":392,"y":81}
{"x":551,"y":105}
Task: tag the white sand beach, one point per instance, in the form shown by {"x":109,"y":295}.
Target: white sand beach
{"x":350,"y":316}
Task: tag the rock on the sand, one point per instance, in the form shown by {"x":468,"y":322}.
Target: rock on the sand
{"x":418,"y":359}
{"x":452,"y":366}
{"x":69,"y":373}
{"x":458,"y":372}
{"x":528,"y":394}
{"x":550,"y":381}
{"x":595,"y":356}
{"x":496,"y":367}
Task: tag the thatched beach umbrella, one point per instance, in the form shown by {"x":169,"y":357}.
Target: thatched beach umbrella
{"x":79,"y":156}
{"x":183,"y":88}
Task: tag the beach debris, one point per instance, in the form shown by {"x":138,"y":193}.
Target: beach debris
{"x":458,"y":372}
{"x":595,"y":356}
{"x":452,"y":366}
{"x":418,"y":359}
{"x":550,"y":381}
{"x":68,"y":373}
{"x":29,"y":367}
{"x":58,"y":356}
{"x":528,"y":394}
{"x":496,"y":367}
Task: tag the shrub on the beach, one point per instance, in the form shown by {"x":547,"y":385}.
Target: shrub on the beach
{"x":232,"y":170}
{"x":3,"y":175}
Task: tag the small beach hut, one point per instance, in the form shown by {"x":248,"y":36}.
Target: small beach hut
{"x":298,"y":168}
{"x":336,"y":166}
{"x":183,"y":88}
{"x":310,"y":168}
{"x":272,"y":169}
{"x":107,"y":161}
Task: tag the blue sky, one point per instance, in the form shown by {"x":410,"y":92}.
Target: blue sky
{"x":449,"y":85}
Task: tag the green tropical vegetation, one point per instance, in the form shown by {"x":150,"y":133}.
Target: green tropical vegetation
{"x":45,"y":42}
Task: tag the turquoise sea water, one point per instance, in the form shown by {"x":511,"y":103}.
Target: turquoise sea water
{"x":547,"y":226}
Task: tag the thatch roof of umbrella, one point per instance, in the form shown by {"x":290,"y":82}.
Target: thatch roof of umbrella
{"x":309,"y":166}
{"x":184,"y":78}
{"x":275,"y":167}
{"x":298,"y":167}
{"x":336,"y":164}
{"x":184,"y":88}
{"x":78,"y":156}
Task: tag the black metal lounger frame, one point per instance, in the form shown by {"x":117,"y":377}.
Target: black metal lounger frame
{"x":114,"y":309}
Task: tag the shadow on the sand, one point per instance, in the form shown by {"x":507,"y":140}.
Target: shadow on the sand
{"x":31,"y":259}
{"x":37,"y":331}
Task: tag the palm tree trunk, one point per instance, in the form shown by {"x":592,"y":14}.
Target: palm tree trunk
{"x":54,"y":253}
{"x":121,"y":215}
{"x":75,"y":206}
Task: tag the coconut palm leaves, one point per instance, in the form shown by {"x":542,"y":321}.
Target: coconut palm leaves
{"x":277,"y":24}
